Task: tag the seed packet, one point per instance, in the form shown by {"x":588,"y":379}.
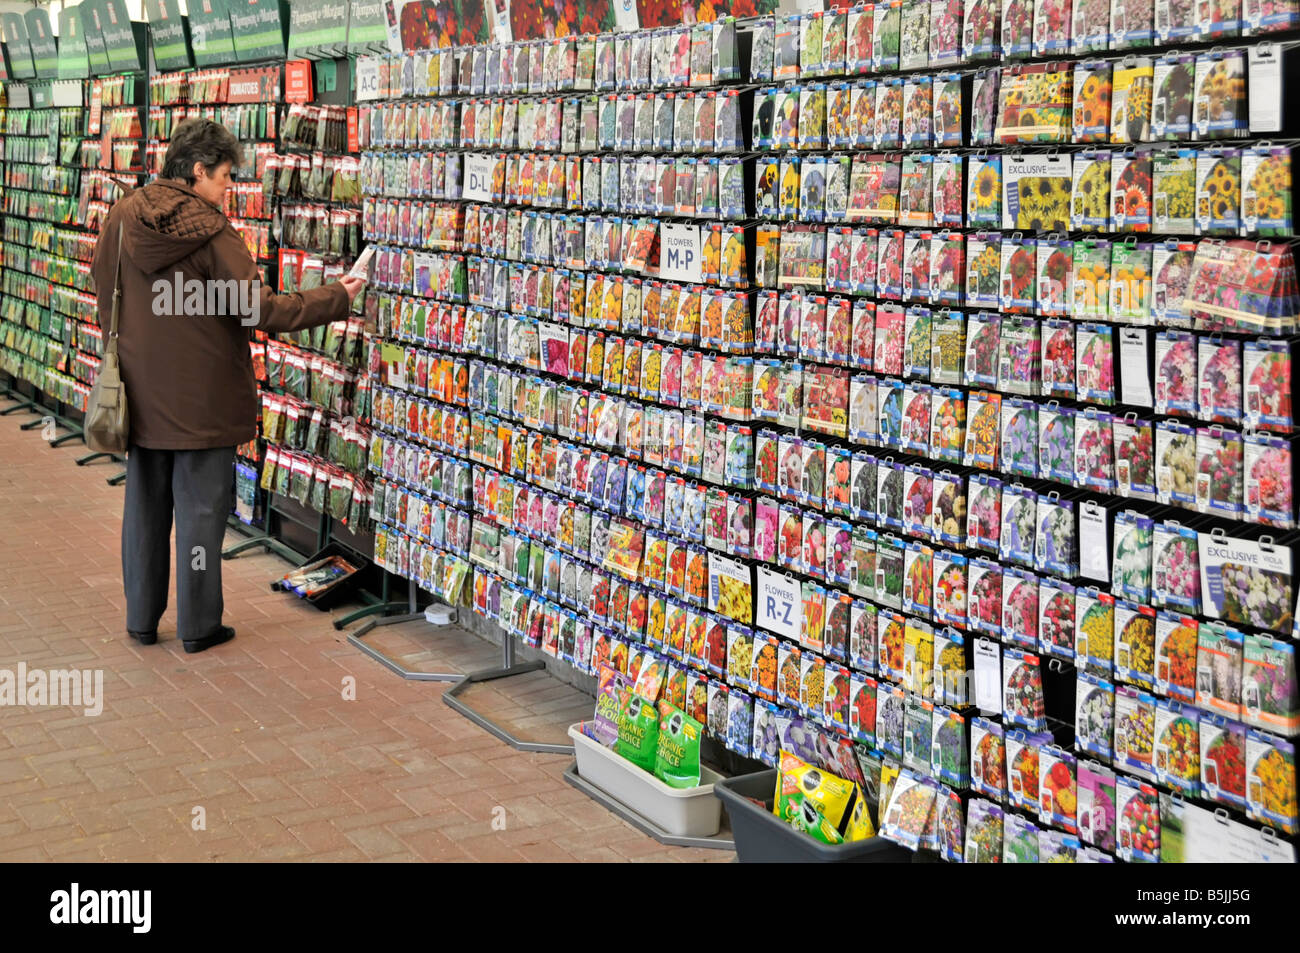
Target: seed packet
{"x":1269,"y":697}
{"x":1171,"y":109}
{"x":1020,"y":840}
{"x":1222,"y":759}
{"x":1056,"y":443}
{"x":1096,"y":807}
{"x":983,"y":833}
{"x":1267,"y":373}
{"x":885,"y":30}
{"x":1135,"y":716}
{"x":1020,"y":437}
{"x":1094,"y":713}
{"x":988,"y":758}
{"x":983,"y":412}
{"x":1092,"y":93}
{"x":914,"y":433}
{"x":1218,"y":107}
{"x":1058,"y":791}
{"x":1056,"y":618}
{"x":1017,"y":29}
{"x":984,"y":191}
{"x":984,"y":601}
{"x":887,"y":115}
{"x":1271,"y":780}
{"x":1095,"y":370}
{"x":984,"y":519}
{"x":1266,"y":190}
{"x":1054,"y":263}
{"x":1036,"y":193}
{"x":1131,"y":98}
{"x":917,"y":111}
{"x":918,"y":730}
{"x":1094,"y":450}
{"x":1218,"y":669}
{"x":1090,"y":291}
{"x":1130,"y":191}
{"x":918,"y":581}
{"x":1094,"y":631}
{"x":1175,"y":464}
{"x":1020,"y":608}
{"x":1219,"y":475}
{"x":983,"y":338}
{"x":1134,"y":463}
{"x":1219,"y":380}
{"x":1019,"y":526}
{"x":1138,"y":821}
{"x":1176,"y":361}
{"x":1175,"y":655}
{"x":1134,"y":643}
{"x":1177,"y":746}
{"x":980,"y":31}
{"x":1022,"y":769}
{"x":917,"y":322}
{"x":1016,"y":294}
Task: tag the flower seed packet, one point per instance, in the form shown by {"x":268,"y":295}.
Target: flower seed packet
{"x":1219,"y":104}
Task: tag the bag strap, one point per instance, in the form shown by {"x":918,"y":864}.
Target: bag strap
{"x":117,"y":294}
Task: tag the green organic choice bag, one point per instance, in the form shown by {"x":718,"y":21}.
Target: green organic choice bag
{"x":677,"y":757}
{"x":638,"y":729}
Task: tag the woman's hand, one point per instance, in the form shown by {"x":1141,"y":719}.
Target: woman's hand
{"x":352,"y":286}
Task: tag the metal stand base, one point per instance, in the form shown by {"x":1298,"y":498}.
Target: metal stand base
{"x":267,"y":543}
{"x":117,"y":480}
{"x":92,"y":457}
{"x":379,"y":608}
{"x":382,"y":659}
{"x":60,"y":441}
{"x":508,"y":667}
{"x":23,"y":404}
{"x":32,"y":424}
{"x":716,"y":842}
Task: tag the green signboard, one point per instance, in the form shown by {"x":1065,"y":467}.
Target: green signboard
{"x":73,"y":61}
{"x":367,"y":26}
{"x":93,"y":19}
{"x":258,"y":27}
{"x":210,"y":34}
{"x":20,"y":52}
{"x":318,"y":26}
{"x":168,"y":34}
{"x":119,"y":37}
{"x":45,"y":48}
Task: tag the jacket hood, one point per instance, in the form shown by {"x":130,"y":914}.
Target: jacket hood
{"x":164,"y":222}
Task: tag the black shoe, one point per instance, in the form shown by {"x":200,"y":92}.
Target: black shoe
{"x":144,"y":638}
{"x":223,"y":634}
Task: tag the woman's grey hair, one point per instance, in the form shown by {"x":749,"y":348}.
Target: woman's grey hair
{"x":200,"y":140}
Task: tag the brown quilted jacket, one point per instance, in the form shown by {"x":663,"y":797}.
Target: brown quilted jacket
{"x":189,"y":377}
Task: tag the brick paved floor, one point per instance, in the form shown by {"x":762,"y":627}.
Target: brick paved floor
{"x":255,"y":732}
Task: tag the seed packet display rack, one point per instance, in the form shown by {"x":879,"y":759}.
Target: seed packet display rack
{"x":73,"y":151}
{"x":884,"y":635}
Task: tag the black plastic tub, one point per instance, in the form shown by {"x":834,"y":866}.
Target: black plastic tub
{"x":341,"y":589}
{"x":762,"y":837}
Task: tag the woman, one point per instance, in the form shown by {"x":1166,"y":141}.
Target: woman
{"x":190,"y":298}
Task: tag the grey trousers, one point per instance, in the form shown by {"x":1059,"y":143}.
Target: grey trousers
{"x":198,"y":486}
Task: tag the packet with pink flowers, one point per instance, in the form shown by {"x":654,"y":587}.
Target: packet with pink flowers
{"x":1056,"y":618}
{"x":1219,"y":379}
{"x":1219,"y":472}
{"x":1267,"y":373}
{"x":1268,"y":470}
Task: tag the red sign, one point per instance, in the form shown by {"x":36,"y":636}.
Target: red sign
{"x":297,"y":81}
{"x":354,"y":139}
{"x":96,"y":106}
{"x":254,"y":85}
